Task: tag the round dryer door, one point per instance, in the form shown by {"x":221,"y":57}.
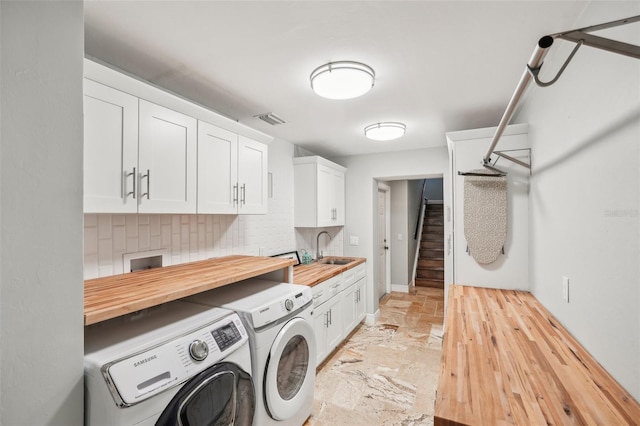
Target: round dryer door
{"x":221,"y":395}
{"x":290,"y":373}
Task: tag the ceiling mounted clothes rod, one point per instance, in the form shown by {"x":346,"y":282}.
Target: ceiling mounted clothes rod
{"x":534,"y":62}
{"x":581,"y":37}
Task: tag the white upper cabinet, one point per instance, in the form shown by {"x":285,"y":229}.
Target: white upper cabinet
{"x":217,"y":170}
{"x":252,"y":176}
{"x":318,"y":192}
{"x":167,"y":160}
{"x":149,"y":151}
{"x":110,"y":149}
{"x":232,"y":172}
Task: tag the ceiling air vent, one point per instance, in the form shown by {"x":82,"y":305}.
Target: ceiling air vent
{"x":270,"y":118}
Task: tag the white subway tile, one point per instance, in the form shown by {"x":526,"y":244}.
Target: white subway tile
{"x":90,"y":241}
{"x":104,"y":226}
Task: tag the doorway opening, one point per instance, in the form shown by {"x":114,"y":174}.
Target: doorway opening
{"x":429,"y":263}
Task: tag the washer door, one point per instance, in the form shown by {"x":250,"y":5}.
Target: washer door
{"x":290,"y":372}
{"x":220,"y":395}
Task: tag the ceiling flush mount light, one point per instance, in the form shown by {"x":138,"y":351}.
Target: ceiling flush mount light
{"x":342,"y":80}
{"x":385,"y":131}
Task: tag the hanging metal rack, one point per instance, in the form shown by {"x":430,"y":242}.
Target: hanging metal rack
{"x":581,"y":37}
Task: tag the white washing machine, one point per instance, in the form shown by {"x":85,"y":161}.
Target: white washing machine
{"x":279,"y":319}
{"x":175,"y":364}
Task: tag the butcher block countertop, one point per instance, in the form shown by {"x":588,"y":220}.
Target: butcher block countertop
{"x":506,"y":360}
{"x":114,"y":296}
{"x":315,"y":272}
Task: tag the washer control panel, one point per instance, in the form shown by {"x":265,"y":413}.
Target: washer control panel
{"x":146,"y":373}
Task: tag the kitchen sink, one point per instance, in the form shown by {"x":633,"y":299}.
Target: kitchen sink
{"x":335,"y":261}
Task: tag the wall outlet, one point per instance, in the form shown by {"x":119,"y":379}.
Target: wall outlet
{"x":353,"y":240}
{"x":399,"y":237}
{"x":565,"y":289}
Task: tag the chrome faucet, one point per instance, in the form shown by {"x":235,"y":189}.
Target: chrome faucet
{"x":319,"y":253}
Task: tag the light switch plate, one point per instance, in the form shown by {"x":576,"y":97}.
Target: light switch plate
{"x":353,"y":240}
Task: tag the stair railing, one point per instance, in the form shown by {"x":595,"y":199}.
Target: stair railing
{"x":423,"y":202}
{"x":418,"y":235}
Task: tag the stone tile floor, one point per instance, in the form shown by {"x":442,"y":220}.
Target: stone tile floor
{"x":387,"y":373}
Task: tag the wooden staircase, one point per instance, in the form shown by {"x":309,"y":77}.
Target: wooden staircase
{"x":430,"y":270}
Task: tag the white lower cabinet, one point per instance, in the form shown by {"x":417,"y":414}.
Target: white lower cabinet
{"x":338,"y":308}
{"x":359,"y":299}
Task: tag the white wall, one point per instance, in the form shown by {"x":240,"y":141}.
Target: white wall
{"x":41,"y":286}
{"x":363,"y":172}
{"x":584,"y":201}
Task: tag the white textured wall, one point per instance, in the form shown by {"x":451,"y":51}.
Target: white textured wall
{"x":188,"y":238}
{"x":361,"y":188}
{"x":584,"y":200}
{"x":41,"y":286}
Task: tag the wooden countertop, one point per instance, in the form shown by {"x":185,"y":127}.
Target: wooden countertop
{"x":110,"y":297}
{"x":507,"y":360}
{"x":315,"y":272}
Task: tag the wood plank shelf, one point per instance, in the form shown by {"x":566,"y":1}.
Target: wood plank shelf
{"x":110,"y":297}
{"x":507,"y":360}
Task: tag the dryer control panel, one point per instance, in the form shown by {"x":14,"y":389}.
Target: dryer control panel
{"x":281,"y":307}
{"x":144,"y":374}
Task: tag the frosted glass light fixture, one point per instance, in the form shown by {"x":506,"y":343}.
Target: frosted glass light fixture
{"x":342,"y":80}
{"x":385,"y":131}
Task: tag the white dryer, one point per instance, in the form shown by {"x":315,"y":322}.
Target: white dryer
{"x":175,"y":364}
{"x":279,"y":319}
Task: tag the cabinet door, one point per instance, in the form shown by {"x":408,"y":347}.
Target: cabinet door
{"x":252,"y":176}
{"x":326,"y":187}
{"x":217,"y":170}
{"x":348,"y":305}
{"x":334,"y":328}
{"x":360,"y":298}
{"x":338,"y":197}
{"x":330,"y":196}
{"x":110,"y":149}
{"x":320,"y":328}
{"x":167,"y":159}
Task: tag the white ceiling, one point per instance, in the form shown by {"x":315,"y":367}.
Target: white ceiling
{"x":440,"y":65}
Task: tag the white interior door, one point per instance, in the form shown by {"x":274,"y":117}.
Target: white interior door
{"x":383,"y":284}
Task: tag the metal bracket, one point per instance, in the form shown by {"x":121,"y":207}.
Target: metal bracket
{"x":535,"y":71}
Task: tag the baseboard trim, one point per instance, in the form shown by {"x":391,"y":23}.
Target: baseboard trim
{"x":370,"y":319}
{"x":400,"y":288}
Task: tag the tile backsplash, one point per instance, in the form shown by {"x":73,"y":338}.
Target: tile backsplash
{"x":188,"y":238}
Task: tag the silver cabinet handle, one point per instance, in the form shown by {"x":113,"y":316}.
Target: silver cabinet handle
{"x":235,"y":195}
{"x":124,"y":184}
{"x":330,"y":316}
{"x":148,"y":177}
{"x":244,"y":193}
